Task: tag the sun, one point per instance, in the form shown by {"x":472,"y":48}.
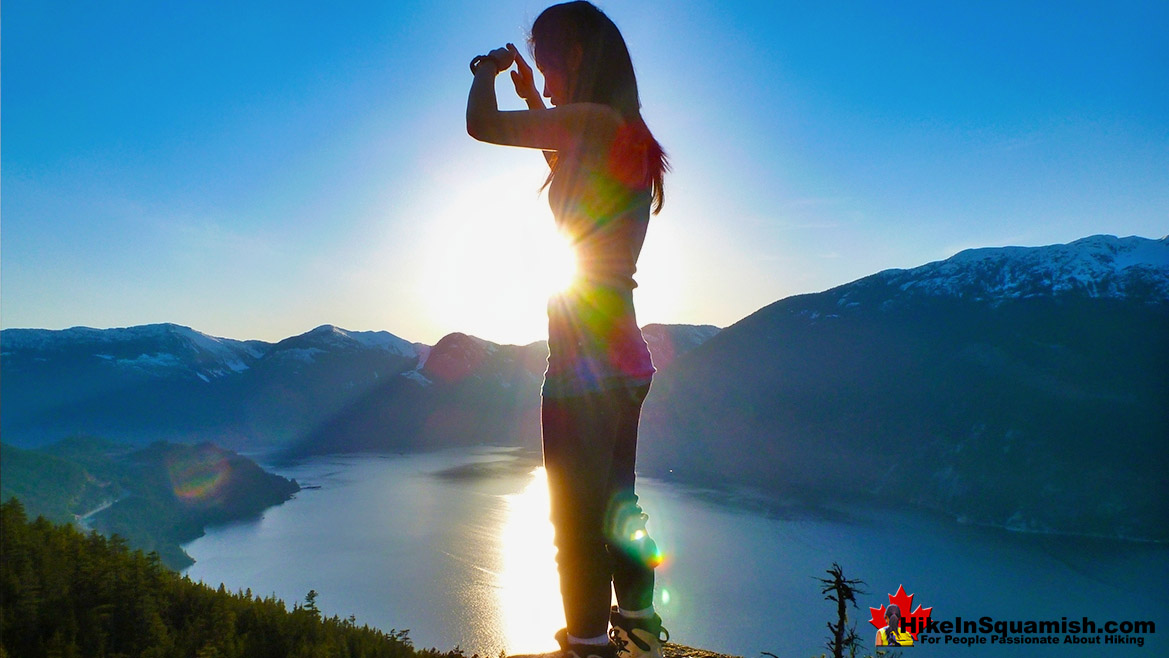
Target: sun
{"x":491,"y":257}
{"x":494,"y":258}
{"x":556,"y":260}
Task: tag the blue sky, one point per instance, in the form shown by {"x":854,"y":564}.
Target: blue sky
{"x":254,"y":170}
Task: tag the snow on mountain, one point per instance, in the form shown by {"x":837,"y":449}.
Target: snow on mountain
{"x":384,"y":340}
{"x":152,"y":348}
{"x":329,"y":338}
{"x":302,"y":354}
{"x":1100,"y":266}
{"x":423,"y":353}
{"x":416,"y":375}
{"x":1019,"y":387}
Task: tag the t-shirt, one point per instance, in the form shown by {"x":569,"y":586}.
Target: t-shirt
{"x":900,"y":638}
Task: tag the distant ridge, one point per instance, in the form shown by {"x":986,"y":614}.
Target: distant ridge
{"x":175,"y":348}
{"x":1020,"y":387}
{"x":326,"y":390}
{"x":1026,"y":387}
{"x":1100,"y":266}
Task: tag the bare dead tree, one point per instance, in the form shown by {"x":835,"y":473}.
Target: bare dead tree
{"x":843,"y":591}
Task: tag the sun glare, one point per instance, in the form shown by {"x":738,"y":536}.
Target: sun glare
{"x":492,"y":257}
{"x":497,"y":257}
{"x":559,"y":261}
{"x":528,"y":586}
{"x":661,"y":279}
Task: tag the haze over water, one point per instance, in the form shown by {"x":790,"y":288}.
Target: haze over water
{"x":456,"y":547}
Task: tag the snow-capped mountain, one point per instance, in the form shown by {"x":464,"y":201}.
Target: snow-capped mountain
{"x":1024,"y":387}
{"x":1100,"y":266}
{"x":329,"y":389}
{"x":167,"y":381}
{"x":328,"y":338}
{"x":154,"y":349}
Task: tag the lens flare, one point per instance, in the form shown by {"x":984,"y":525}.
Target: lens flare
{"x":656,"y":557}
{"x":198,"y":475}
{"x":492,"y":256}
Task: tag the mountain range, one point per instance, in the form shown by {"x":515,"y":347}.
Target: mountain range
{"x":328,"y":390}
{"x":1027,"y":388}
{"x":1023,"y":387}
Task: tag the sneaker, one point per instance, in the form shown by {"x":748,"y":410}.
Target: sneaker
{"x":637,"y":638}
{"x":568,"y":650}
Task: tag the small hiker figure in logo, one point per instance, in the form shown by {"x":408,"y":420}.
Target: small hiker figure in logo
{"x":892,"y":635}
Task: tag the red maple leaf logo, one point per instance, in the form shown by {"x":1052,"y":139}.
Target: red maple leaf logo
{"x":914,"y":621}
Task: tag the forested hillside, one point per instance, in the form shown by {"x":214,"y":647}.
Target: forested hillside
{"x":67,"y":594}
{"x":157,"y":497}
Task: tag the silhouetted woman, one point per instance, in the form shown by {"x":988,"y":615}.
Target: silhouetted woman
{"x":606,"y":176}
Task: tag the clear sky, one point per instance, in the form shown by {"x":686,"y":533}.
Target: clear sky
{"x":254,"y":170}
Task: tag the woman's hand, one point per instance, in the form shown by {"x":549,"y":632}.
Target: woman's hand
{"x":500,"y":57}
{"x":525,"y":84}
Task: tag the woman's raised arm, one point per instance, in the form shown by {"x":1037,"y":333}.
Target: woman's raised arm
{"x":569,"y":127}
{"x":525,"y":88}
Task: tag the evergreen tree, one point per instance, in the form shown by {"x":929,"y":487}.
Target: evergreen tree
{"x":68,"y":594}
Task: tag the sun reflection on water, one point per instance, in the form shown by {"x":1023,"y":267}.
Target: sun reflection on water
{"x":528,"y":587}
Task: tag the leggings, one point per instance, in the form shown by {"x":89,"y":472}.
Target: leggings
{"x":590,"y":445}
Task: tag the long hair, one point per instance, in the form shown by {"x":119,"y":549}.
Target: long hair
{"x":605,"y":74}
